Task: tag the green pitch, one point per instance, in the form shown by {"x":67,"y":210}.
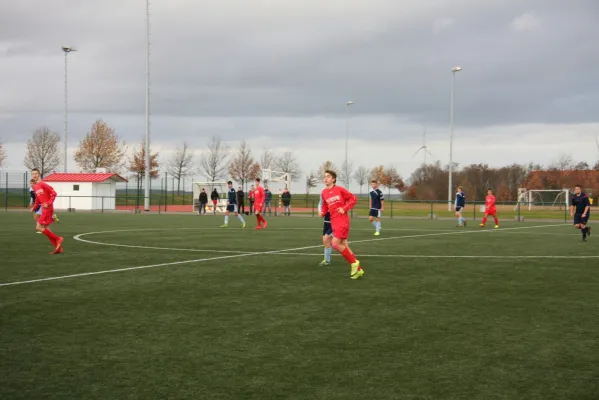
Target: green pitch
{"x":442,"y":312}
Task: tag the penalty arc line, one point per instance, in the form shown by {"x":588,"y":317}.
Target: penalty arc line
{"x":60,"y":277}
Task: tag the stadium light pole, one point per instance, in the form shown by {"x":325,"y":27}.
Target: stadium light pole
{"x":347,"y":106}
{"x":450,"y":188}
{"x":66,"y":50}
{"x":147,"y":168}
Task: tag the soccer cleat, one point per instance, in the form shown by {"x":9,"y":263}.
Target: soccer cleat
{"x":465,"y":223}
{"x":481,"y":225}
{"x":243,"y":225}
{"x":38,"y":232}
{"x":377,"y":234}
{"x":356,"y":270}
{"x":224,"y":226}
{"x":496,"y":226}
{"x":58,"y":251}
{"x":258,"y":228}
{"x":59,"y":242}
{"x":55,"y":217}
{"x":265,"y":224}
{"x":588,"y":231}
{"x":324,"y":263}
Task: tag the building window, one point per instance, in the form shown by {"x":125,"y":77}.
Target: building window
{"x":75,"y":188}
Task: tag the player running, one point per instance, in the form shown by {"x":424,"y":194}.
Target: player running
{"x":580,"y":209}
{"x":490,"y":209}
{"x":232,"y":206}
{"x":37,"y":212}
{"x":460,"y":203}
{"x":376,"y":203}
{"x":338,"y":201}
{"x":45,"y":196}
{"x":259,"y":197}
{"x":327,"y":236}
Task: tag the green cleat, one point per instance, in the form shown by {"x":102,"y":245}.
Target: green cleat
{"x":324,"y":263}
{"x":243,"y":225}
{"x":356,"y":271}
{"x":55,"y":217}
{"x":224,"y":226}
{"x":496,"y":226}
{"x":377,"y":234}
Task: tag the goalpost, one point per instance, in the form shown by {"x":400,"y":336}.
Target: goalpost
{"x":543,"y":197}
{"x":220,"y":186}
{"x":281,"y":180}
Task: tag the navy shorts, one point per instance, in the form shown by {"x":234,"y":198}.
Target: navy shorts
{"x":579,"y":220}
{"x":232,"y":208}
{"x":327,"y":229}
{"x":374,"y":213}
{"x":458,"y":209}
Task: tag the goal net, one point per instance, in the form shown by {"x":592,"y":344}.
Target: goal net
{"x":551,"y":199}
{"x":221,"y":188}
{"x":277,"y":182}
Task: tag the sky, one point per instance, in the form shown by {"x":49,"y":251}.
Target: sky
{"x":278,"y":74}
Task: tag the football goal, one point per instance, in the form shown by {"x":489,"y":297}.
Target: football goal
{"x":221,"y":189}
{"x":546,"y":198}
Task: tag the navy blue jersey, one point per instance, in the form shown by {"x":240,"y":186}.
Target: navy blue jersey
{"x":580,"y":202}
{"x":460,"y":199}
{"x":376,"y":197}
{"x":32,"y":194}
{"x":232,"y":196}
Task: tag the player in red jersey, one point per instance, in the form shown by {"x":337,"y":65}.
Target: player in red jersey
{"x":259,"y":197}
{"x":338,"y":201}
{"x":44,"y":196}
{"x":490,"y":209}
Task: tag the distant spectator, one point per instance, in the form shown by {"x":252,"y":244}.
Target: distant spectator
{"x":203,"y":201}
{"x":214,"y":197}
{"x":267,"y":200}
{"x":286,"y":199}
{"x":241,"y":200}
{"x":251,"y":199}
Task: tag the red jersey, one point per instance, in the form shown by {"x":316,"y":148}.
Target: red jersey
{"x":44,"y":194}
{"x":259,"y":195}
{"x":335,"y":198}
{"x":490,"y":202}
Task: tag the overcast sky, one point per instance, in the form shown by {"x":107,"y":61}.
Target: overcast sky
{"x":277,"y":73}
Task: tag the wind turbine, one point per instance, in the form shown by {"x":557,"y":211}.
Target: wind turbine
{"x":423,"y":147}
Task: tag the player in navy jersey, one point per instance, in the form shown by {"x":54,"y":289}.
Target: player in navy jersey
{"x":376,"y":203}
{"x":38,"y":211}
{"x":327,"y":236}
{"x":460,"y":203}
{"x":232,"y":206}
{"x":580,"y":209}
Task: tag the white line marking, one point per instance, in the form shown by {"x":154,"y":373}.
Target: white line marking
{"x":247,"y":253}
{"x":435,"y":256}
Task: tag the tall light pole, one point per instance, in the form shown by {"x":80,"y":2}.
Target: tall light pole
{"x":450,"y":188}
{"x":147,"y":169}
{"x":66,"y":50}
{"x":346,"y":165}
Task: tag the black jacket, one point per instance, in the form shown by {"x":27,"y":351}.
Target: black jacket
{"x":240,"y":196}
{"x":214,"y":195}
{"x":203,"y":197}
{"x":286,"y":198}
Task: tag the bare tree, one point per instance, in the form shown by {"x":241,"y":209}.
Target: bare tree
{"x":287,"y":163}
{"x":311,"y":181}
{"x":43,"y":150}
{"x":181,"y":164}
{"x":2,"y":155}
{"x":243,"y":168}
{"x":213,"y":161}
{"x":361,"y":176}
{"x":345,"y":174}
{"x":327,"y":166}
{"x":267,"y":160}
{"x":101,"y":148}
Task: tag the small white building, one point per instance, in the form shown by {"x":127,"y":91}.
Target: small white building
{"x":81,"y":191}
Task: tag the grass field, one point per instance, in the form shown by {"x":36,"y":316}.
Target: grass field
{"x":174,"y":307}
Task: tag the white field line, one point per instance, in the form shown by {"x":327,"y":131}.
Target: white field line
{"x":296,"y":249}
{"x":439,"y":256}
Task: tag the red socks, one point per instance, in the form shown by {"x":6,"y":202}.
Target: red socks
{"x":51,"y":236}
{"x":260,"y":219}
{"x":348,"y":255}
{"x":496,"y":221}
{"x":484,"y":221}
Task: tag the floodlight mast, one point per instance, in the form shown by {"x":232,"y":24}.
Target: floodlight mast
{"x":66,"y":50}
{"x":450,"y":188}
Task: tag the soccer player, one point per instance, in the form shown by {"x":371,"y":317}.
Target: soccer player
{"x":460,"y":203}
{"x":376,"y":203}
{"x":327,"y":236}
{"x":45,"y":196}
{"x":259,"y":197}
{"x":338,"y":201}
{"x":490,"y":209}
{"x":37,"y":212}
{"x":580,"y":209}
{"x":232,"y":206}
